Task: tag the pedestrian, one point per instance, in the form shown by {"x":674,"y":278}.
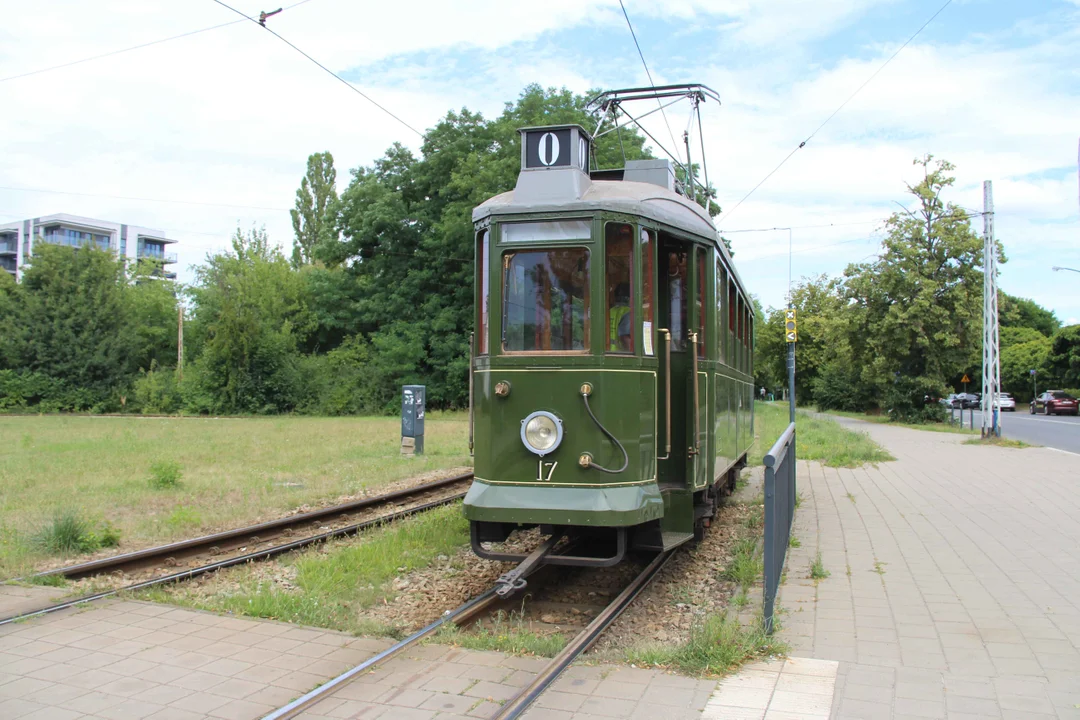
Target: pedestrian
{"x":763,"y":393}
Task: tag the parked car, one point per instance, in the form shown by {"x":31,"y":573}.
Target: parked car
{"x":1055,"y":402}
{"x":1005,"y":402}
{"x":965,"y":401}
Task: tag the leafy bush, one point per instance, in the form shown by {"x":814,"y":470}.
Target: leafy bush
{"x":839,"y":387}
{"x":156,"y":390}
{"x":165,"y":474}
{"x":70,"y":532}
{"x":25,"y":390}
{"x":912,"y":400}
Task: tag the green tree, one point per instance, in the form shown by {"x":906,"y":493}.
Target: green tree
{"x":316,"y":200}
{"x":1017,"y":362}
{"x":1064,"y":359}
{"x":72,"y":324}
{"x":249,"y":311}
{"x":152,"y":306}
{"x":1015,"y":312}
{"x":915,"y":311}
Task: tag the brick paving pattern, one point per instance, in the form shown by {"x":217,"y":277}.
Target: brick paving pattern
{"x":134,"y":660}
{"x":955,"y":580}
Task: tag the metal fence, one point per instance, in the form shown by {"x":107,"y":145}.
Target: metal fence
{"x":779,"y":512}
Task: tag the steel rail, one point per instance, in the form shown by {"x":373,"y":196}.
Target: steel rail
{"x":472,"y":607}
{"x":239,"y":560}
{"x":584,"y":640}
{"x":97,"y":567}
{"x":459,"y":615}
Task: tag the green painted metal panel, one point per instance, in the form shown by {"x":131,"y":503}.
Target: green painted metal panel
{"x":599,"y":507}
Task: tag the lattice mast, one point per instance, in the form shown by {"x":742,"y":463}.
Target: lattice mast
{"x":991,"y":362}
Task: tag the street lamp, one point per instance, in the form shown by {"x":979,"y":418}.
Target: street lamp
{"x":1058,"y":267}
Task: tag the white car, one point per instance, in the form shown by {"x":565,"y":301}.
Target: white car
{"x":1005,"y":402}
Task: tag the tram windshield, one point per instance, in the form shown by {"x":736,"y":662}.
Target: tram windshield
{"x":546,"y":300}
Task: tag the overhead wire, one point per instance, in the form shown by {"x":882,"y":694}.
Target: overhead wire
{"x":340,"y":79}
{"x":142,"y":199}
{"x":111,"y":53}
{"x":648,"y":74}
{"x":837,"y":110}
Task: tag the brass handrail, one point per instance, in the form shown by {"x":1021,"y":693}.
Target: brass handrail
{"x":697,"y":403}
{"x":472,"y":337}
{"x":667,"y":394}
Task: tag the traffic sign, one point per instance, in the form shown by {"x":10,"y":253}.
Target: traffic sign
{"x":965,"y":379}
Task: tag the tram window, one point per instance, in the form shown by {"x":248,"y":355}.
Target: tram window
{"x":546,"y":300}
{"x":619,"y":274}
{"x":699,"y":255}
{"x":483,"y":286}
{"x":732,"y":325}
{"x":677,"y":277}
{"x":544,"y":231}
{"x":647,"y":339}
{"x":721,"y":292}
{"x":740,"y":314}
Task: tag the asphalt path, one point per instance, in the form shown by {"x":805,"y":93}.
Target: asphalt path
{"x":1055,"y":431}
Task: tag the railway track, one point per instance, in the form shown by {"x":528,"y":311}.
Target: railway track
{"x":253,"y":543}
{"x":486,"y":602}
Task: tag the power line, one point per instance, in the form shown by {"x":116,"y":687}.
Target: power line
{"x":133,"y":47}
{"x":799,"y":227}
{"x":674,"y":143}
{"x":835,"y":112}
{"x":141,"y":199}
{"x":343,"y":81}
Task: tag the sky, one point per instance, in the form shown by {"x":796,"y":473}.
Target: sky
{"x":199,"y":135}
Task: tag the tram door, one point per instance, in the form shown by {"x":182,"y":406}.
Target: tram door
{"x":675,"y":288}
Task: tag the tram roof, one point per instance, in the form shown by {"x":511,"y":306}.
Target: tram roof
{"x":624,"y":196}
{"x":633,"y":198}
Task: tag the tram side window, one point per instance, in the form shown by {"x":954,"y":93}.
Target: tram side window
{"x":740,"y":315}
{"x":750,"y":342}
{"x":483,"y":288}
{"x":721,"y":293}
{"x":733,"y":325}
{"x":699,"y":255}
{"x":678,"y":288}
{"x":546,"y":300}
{"x":619,"y":272}
{"x":647,"y":338}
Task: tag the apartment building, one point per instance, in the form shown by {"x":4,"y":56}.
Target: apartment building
{"x":17,"y":240}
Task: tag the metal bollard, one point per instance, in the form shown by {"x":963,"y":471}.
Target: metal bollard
{"x":412,"y":419}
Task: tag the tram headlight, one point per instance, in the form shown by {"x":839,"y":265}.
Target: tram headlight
{"x":541,"y":432}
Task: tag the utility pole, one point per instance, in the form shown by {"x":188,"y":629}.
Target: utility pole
{"x":791,"y":335}
{"x":179,"y":342}
{"x":991,"y":365}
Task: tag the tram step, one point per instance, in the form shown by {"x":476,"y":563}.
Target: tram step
{"x":668,"y":541}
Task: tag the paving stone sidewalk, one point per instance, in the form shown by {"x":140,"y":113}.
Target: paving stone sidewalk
{"x":954,"y":586}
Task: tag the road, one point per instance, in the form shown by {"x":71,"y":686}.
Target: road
{"x":1056,"y":431}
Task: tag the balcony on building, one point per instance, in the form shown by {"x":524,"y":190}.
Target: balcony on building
{"x":76,"y":236}
{"x":9,"y":243}
{"x":151,"y":249}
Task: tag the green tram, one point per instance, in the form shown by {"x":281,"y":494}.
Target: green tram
{"x":611,"y":383}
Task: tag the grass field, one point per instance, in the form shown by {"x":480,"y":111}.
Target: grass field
{"x":819,"y":439}
{"x":929,"y":427}
{"x":150,"y":480}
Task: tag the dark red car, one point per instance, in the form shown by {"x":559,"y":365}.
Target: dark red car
{"x":1055,"y":402}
